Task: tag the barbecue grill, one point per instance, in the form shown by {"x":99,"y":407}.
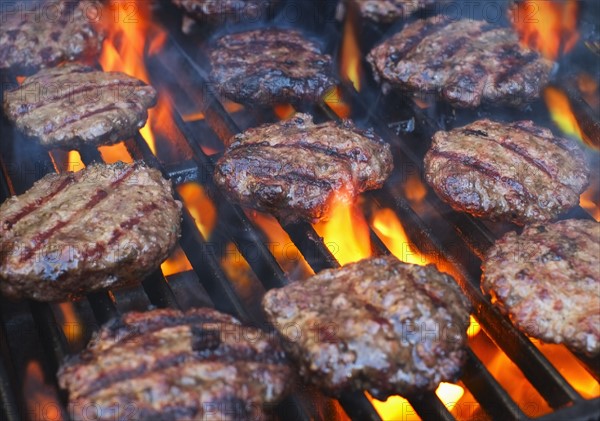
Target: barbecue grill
{"x":190,"y":127}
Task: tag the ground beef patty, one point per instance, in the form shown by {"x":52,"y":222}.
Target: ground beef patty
{"x":73,"y":233}
{"x":547,"y":280}
{"x":515,"y":172}
{"x":386,"y":11}
{"x":294,"y":169}
{"x":225,"y":10}
{"x":378,"y":324}
{"x":269,"y":66}
{"x":36,"y":34}
{"x":466,"y":62}
{"x":168,"y":365}
{"x":74,"y":105}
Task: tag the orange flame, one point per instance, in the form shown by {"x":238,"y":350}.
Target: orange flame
{"x":282,"y":247}
{"x":42,"y":401}
{"x":74,"y":162}
{"x":547,"y":26}
{"x":115,"y":153}
{"x":333,"y":99}
{"x":72,"y":326}
{"x":284,"y":111}
{"x":345,"y":232}
{"x":200,"y":207}
{"x":129,"y":38}
{"x":590,"y":201}
{"x":350,"y":65}
{"x":176,"y":263}
{"x":388,"y":227}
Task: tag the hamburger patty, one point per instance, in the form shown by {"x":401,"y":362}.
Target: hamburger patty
{"x":547,"y":280}
{"x":269,"y":66}
{"x":44,"y":33}
{"x":73,"y":233}
{"x":466,"y":62}
{"x":168,"y":365}
{"x":387,"y":11}
{"x":515,"y":172}
{"x":223,"y":10}
{"x":294,"y":169}
{"x":378,"y":324}
{"x":74,"y":105}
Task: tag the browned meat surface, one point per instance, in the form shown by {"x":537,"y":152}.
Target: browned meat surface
{"x":73,"y":233}
{"x":269,"y":66}
{"x":169,"y":365}
{"x":466,"y":62}
{"x":548,"y":280}
{"x":225,"y":10}
{"x":74,"y":105}
{"x":36,"y":34}
{"x":293,"y":169}
{"x":386,"y":11}
{"x":514,"y":172}
{"x":379,"y":324}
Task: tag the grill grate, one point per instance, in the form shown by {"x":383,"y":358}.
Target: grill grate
{"x":31,"y":331}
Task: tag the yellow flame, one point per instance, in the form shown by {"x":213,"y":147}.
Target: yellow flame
{"x":333,"y":98}
{"x":74,"y":162}
{"x":351,"y":56}
{"x":345,"y":232}
{"x":200,"y":207}
{"x":562,"y":113}
{"x":176,"y":263}
{"x":388,"y":227}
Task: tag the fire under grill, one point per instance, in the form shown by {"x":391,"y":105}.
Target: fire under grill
{"x":231,"y":260}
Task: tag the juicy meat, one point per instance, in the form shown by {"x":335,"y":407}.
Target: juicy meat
{"x":269,"y":66}
{"x":75,"y":105}
{"x":515,"y":172}
{"x":295,"y":168}
{"x":168,"y":365}
{"x":36,"y":34}
{"x":378,"y":324}
{"x":73,"y":233}
{"x":466,"y":62}
{"x":224,"y":10}
{"x":547,"y":280}
{"x":387,"y":11}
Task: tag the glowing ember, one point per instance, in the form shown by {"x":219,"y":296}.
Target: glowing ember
{"x":588,"y":86}
{"x":388,"y":227}
{"x":333,"y":98}
{"x":590,"y":201}
{"x":42,"y":401}
{"x":282,"y":247}
{"x":115,"y":153}
{"x":350,"y":66}
{"x":414,"y":189}
{"x":284,"y":111}
{"x":188,"y":118}
{"x":200,"y":207}
{"x":176,"y":263}
{"x":71,"y":325}
{"x":345,"y":232}
{"x":74,"y":162}
{"x":124,"y":50}
{"x":562,"y":113}
{"x":547,"y":26}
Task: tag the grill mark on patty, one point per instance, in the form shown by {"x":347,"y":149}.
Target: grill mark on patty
{"x":77,"y":118}
{"x":90,"y":86}
{"x":223,"y":354}
{"x":414,"y":41}
{"x":519,"y":64}
{"x":26,"y":210}
{"x":98,"y":196}
{"x":483,"y":169}
{"x":516,"y":149}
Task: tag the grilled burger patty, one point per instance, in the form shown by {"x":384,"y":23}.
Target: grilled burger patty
{"x":515,"y":172}
{"x":74,"y":105}
{"x":43,"y":33}
{"x":466,"y":62}
{"x":386,"y":11}
{"x":73,"y":233}
{"x":217,"y":11}
{"x":293,"y":169}
{"x":269,"y":66}
{"x":547,"y":279}
{"x":378,"y":324}
{"x":168,"y":365}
